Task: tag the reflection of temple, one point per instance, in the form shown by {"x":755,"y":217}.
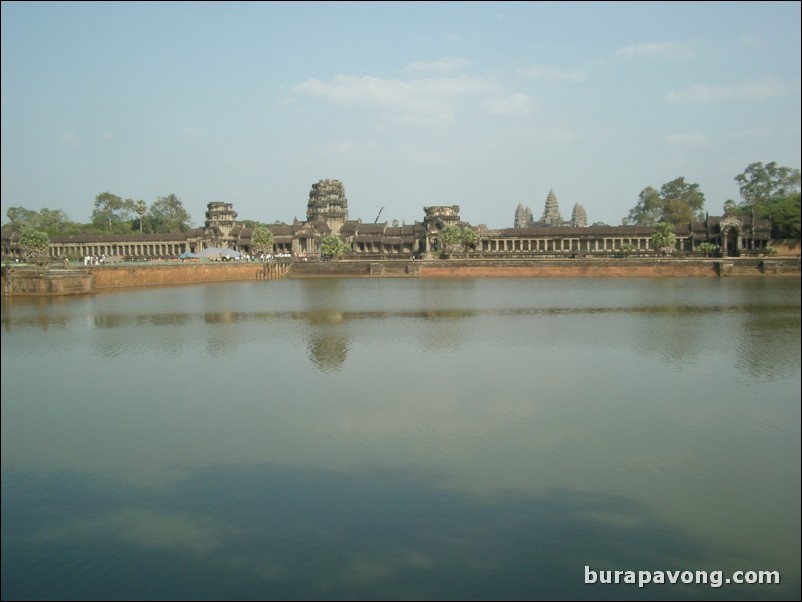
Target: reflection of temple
{"x":327,"y":214}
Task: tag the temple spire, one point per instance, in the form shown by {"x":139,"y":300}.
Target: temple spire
{"x":551,"y":213}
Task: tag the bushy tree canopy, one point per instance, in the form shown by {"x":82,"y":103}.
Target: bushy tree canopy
{"x":262,"y":240}
{"x":112,"y":213}
{"x":167,"y":214}
{"x":332,"y":247}
{"x":760,"y":183}
{"x":451,"y":238}
{"x":771,"y":192}
{"x":52,"y":221}
{"x":677,"y":202}
{"x":34,"y":244}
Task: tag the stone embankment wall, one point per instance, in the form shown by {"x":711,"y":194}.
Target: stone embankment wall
{"x":43,"y":283}
{"x":77,"y":281}
{"x":33,"y":282}
{"x":571,"y":269}
{"x":355,"y":269}
{"x":188,"y":273}
{"x":522,"y":268}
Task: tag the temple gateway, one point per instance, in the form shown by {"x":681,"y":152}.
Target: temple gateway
{"x":327,"y":214}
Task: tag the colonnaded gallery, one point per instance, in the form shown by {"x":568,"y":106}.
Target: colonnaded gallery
{"x":327,"y":214}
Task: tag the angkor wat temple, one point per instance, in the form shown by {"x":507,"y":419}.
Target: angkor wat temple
{"x":327,"y":214}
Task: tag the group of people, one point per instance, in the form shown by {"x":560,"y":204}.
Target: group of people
{"x":90,"y":260}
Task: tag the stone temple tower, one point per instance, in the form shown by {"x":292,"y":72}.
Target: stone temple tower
{"x":327,"y":203}
{"x":220,"y":221}
{"x":523,"y":217}
{"x":520,"y":217}
{"x":551,"y":213}
{"x":579,"y":218}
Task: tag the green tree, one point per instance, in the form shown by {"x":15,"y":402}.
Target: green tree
{"x":684,"y":202}
{"x":771,"y":192}
{"x":451,"y":238}
{"x":19,"y":219}
{"x":35,"y":245}
{"x":112,"y":213}
{"x":648,"y":210}
{"x":262,"y":241}
{"x":469,"y":240}
{"x":677,"y":202}
{"x":785,"y":214}
{"x":664,"y":240}
{"x":332,"y":247}
{"x":627,"y":248}
{"x":49,"y":220}
{"x":167,"y":214}
{"x":141,"y":208}
{"x":730,"y":207}
{"x":707,"y":248}
{"x":761,"y":183}
{"x":53,"y":221}
{"x":21,"y":215}
{"x":250,"y":223}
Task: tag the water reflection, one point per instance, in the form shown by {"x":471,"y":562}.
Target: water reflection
{"x":328,"y":339}
{"x":768,"y":344}
{"x":28,"y":312}
{"x":765,"y":339}
{"x":671,"y":334}
{"x":400,"y":439}
{"x":275,"y":532}
{"x":328,"y":351}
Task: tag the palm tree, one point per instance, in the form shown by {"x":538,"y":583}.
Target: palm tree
{"x":707,"y":248}
{"x":141,"y":208}
{"x":664,"y":240}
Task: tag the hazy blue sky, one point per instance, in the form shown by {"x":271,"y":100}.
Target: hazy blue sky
{"x":483,"y":105}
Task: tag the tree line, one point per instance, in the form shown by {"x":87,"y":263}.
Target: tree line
{"x":111,"y":214}
{"x":768,"y":192}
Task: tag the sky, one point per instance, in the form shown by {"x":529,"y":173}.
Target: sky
{"x":484,"y":105}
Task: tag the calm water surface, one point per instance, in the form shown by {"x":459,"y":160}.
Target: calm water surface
{"x":389,"y":439}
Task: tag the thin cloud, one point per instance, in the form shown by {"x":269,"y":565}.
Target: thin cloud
{"x":417,"y":101}
{"x":554,"y":74}
{"x":68,"y":137}
{"x":756,"y":90}
{"x":514,"y":105}
{"x":663,"y":50}
{"x":446,"y":65}
{"x":692,"y":139}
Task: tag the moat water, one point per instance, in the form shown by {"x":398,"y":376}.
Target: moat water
{"x":402,"y":439}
